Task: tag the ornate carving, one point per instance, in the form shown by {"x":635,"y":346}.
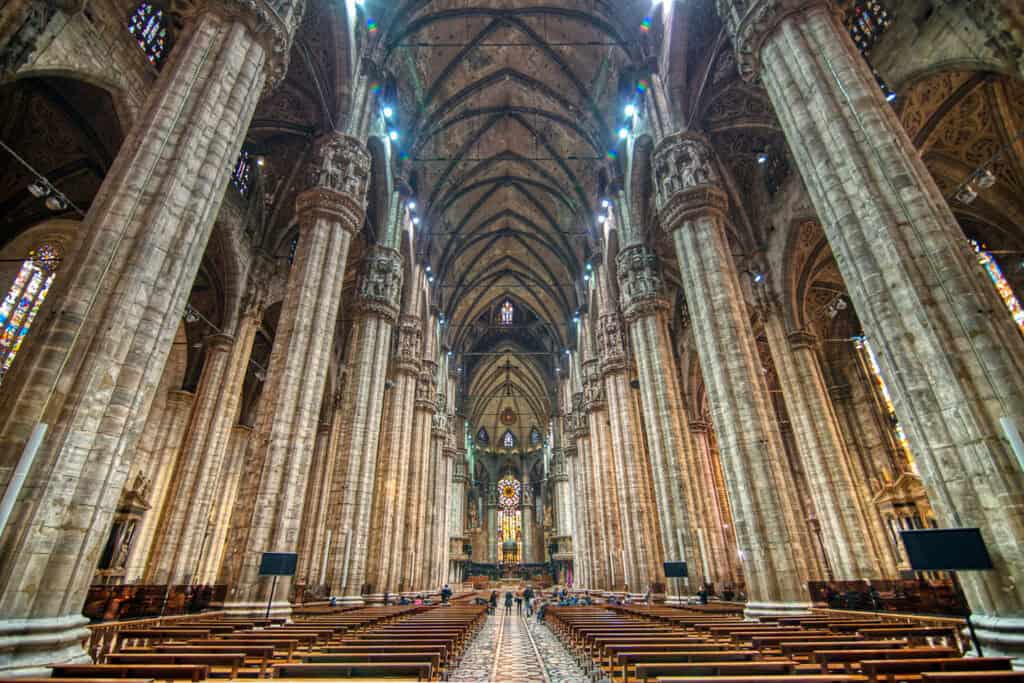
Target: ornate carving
{"x":683,"y":161}
{"x":438,"y":425}
{"x":340,"y":163}
{"x":611,"y":344}
{"x":750,"y":24}
{"x":31,"y":20}
{"x":802,"y":339}
{"x":593,"y":387}
{"x":409,"y":343}
{"x":380,"y":287}
{"x":640,"y":283}
{"x":425,"y":391}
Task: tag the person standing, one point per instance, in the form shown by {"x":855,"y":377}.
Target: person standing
{"x":446,"y":594}
{"x":508,"y":602}
{"x":493,"y":603}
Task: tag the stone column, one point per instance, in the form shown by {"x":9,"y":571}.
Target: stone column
{"x":393,"y":456}
{"x":840,"y":501}
{"x":527,"y":510}
{"x":951,"y":357}
{"x":187,"y":518}
{"x":672,"y":457}
{"x":419,"y":478}
{"x":369,"y":347}
{"x":171,"y":429}
{"x":315,"y":508}
{"x":692,"y":206}
{"x":492,"y":528}
{"x":92,"y":368}
{"x":720,"y":547}
{"x":330,"y":212}
{"x":225,"y":504}
{"x":580,"y":547}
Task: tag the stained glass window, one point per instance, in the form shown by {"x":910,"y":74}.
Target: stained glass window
{"x":535,"y":436}
{"x":482,"y":437}
{"x":149,"y":28}
{"x":292,"y":246}
{"x":26,"y":295}
{"x":866,"y":22}
{"x":510,"y":529}
{"x":241,"y":176}
{"x":509,"y":440}
{"x":883,"y":391}
{"x":988,"y":262}
{"x":507,"y":311}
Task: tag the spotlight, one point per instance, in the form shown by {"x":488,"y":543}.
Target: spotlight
{"x":411,"y":205}
{"x":567,"y":352}
{"x":762,"y":157}
{"x":601,"y":219}
{"x":630,"y":110}
{"x":55,"y":203}
{"x":388,"y":112}
{"x":590,"y":267}
{"x":985,"y":179}
{"x":428,"y":270}
{"x":623,"y":133}
{"x":605,"y":203}
{"x":891,"y":97}
{"x":586,"y":278}
{"x":39,"y":189}
{"x":758,"y":277}
{"x":260,"y":161}
{"x":966,"y":194}
{"x":415,"y":220}
{"x":393,"y":134}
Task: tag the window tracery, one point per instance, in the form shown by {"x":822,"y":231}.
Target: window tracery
{"x":241,"y":175}
{"x":995,"y":273}
{"x":509,"y":440}
{"x":871,"y":361}
{"x":482,"y":437}
{"x":23,"y":300}
{"x":510,"y":529}
{"x":507,"y":313}
{"x":149,"y":28}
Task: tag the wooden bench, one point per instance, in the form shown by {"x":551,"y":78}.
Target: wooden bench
{"x":629,"y":660}
{"x":849,"y":657}
{"x":230,"y":660}
{"x":647,"y":671}
{"x":263,"y":653}
{"x":76,"y":680}
{"x":889,"y":669}
{"x":806,"y":648}
{"x":169,"y":672}
{"x":973,"y":677}
{"x":421,"y":670}
{"x":798,"y":678}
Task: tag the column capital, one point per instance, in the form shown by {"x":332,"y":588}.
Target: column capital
{"x":219,"y":342}
{"x":640,"y":284}
{"x":686,"y":180}
{"x":593,"y":387}
{"x":336,"y":177}
{"x":380,"y":286}
{"x":425,"y":392}
{"x":802,"y":339}
{"x":272,"y":22}
{"x":570,"y":452}
{"x":409,"y":342}
{"x":750,"y":24}
{"x":611,"y":344}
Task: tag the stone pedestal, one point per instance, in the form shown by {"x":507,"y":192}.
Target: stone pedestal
{"x":692,"y":207}
{"x":91,"y":370}
{"x":951,"y":356}
{"x":330,"y":212}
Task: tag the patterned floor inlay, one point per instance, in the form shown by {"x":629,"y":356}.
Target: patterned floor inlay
{"x":514,"y":649}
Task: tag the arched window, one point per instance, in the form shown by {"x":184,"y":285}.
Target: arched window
{"x":535,"y":436}
{"x":995,"y":273}
{"x":866,"y":22}
{"x":509,"y":440}
{"x":871,"y":361}
{"x":292,"y":246}
{"x":507,"y":312}
{"x":510,"y":530}
{"x":149,"y":28}
{"x":482,"y":437}
{"x":23,"y":300}
{"x":241,"y":176}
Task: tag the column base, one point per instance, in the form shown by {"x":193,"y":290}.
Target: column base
{"x":1001,"y":637}
{"x":29,"y":646}
{"x":354,"y":600}
{"x":756,"y":610}
{"x":258,"y":609}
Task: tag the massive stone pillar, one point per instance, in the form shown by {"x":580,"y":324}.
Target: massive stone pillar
{"x":527,"y":509}
{"x":314,"y":513}
{"x":692,"y":207}
{"x":950,"y":354}
{"x":187,"y":518}
{"x":419,"y":476}
{"x":234,"y":466}
{"x":457,"y":515}
{"x":170,"y":429}
{"x":329,"y":212}
{"x":393,"y":454}
{"x":841,"y":502}
{"x":370,"y":348}
{"x":582,"y":575}
{"x":91,"y":370}
{"x":718,"y":540}
{"x":673,"y":464}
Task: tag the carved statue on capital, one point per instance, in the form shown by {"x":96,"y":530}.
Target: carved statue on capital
{"x":380,"y":287}
{"x":439,"y":425}
{"x":640,"y":283}
{"x":340,"y":163}
{"x":408,"y":344}
{"x":685,"y":178}
{"x":593,"y":387}
{"x":611,"y":343}
{"x":425,"y":391}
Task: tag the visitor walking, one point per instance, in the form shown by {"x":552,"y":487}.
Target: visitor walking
{"x":508,"y":602}
{"x":493,"y":603}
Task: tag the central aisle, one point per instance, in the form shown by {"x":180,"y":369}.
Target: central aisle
{"x":513,"y":648}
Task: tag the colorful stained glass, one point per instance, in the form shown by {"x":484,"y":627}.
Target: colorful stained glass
{"x":866,"y":22}
{"x":241,"y":175}
{"x":995,"y":273}
{"x":26,"y":295}
{"x":508,"y":440}
{"x":535,"y":436}
{"x":883,"y":391}
{"x":509,"y":490}
{"x":510,"y":529}
{"x":507,"y":312}
{"x":149,"y":28}
{"x":482,"y":436}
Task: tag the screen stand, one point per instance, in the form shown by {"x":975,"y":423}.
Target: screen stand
{"x":273,"y":589}
{"x":970,"y":625}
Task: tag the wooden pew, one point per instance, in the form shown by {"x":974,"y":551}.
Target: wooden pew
{"x":263,"y":653}
{"x":915,"y":634}
{"x":76,"y":680}
{"x":878,"y":670}
{"x":629,"y":660}
{"x":231,"y":660}
{"x":285,"y":646}
{"x":169,"y":672}
{"x":421,"y":670}
{"x":850,"y":657}
{"x":973,"y":677}
{"x":806,"y":648}
{"x":797,"y":678}
{"x":648,"y":671}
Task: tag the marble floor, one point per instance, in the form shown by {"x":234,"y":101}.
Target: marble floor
{"x":516,"y":649}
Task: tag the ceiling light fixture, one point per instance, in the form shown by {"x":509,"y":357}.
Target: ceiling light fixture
{"x":388,"y":112}
{"x":393,"y":135}
{"x":630,"y":110}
